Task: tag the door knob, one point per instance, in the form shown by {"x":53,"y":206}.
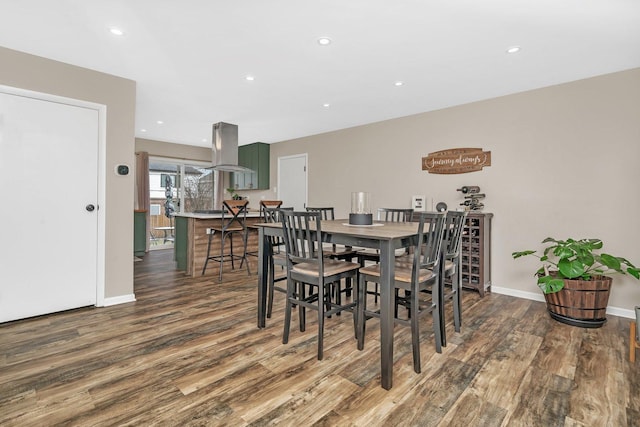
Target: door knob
{"x":90,"y":207}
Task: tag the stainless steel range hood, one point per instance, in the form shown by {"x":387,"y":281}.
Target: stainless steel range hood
{"x":224,"y":158}
{"x":225,"y":148}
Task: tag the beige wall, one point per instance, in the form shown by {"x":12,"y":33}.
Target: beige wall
{"x":173,"y":151}
{"x":190,"y":152}
{"x":43,"y":75}
{"x":564,"y":164}
{"x":542,"y":144}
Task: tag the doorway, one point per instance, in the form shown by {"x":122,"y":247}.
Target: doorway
{"x":175,"y":186}
{"x":53,"y":250}
{"x":292,"y":181}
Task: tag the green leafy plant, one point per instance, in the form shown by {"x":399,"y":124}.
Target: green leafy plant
{"x":233,"y":194}
{"x":575,"y":259}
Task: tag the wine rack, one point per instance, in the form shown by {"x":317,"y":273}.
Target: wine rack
{"x":475,"y":252}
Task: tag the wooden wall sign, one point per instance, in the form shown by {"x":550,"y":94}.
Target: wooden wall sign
{"x":456,"y":160}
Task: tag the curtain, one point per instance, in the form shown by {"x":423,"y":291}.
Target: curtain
{"x":142,"y":190}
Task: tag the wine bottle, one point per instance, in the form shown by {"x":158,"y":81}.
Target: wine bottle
{"x":469,"y":189}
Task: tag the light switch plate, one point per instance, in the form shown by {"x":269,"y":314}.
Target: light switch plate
{"x":419,"y":203}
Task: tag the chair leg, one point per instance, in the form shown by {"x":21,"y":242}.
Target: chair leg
{"x":337,"y":290}
{"x":302,"y":315}
{"x":361,"y":306}
{"x":442,"y":327}
{"x":244,"y":252}
{"x":322,"y":294}
{"x":223,"y":237}
{"x":271,"y":285}
{"x":233,"y":267}
{"x":441,"y":298}
{"x":356,"y":294}
{"x":287,"y":311}
{"x":206,"y":261}
{"x":415,"y":332}
{"x":457,"y":301}
{"x":437,"y":320}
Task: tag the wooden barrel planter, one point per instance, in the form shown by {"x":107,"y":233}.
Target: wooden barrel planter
{"x":581,"y":303}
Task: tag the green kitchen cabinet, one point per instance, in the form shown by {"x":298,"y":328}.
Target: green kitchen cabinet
{"x":255,"y":157}
{"x":180,"y":244}
{"x":139,"y":233}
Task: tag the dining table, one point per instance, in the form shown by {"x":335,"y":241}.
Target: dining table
{"x":386,"y":237}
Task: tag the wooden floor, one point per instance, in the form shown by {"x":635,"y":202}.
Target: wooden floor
{"x":188,"y":352}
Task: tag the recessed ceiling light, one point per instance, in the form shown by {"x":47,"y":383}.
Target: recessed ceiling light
{"x":159,"y":122}
{"x":326,"y":105}
{"x":143,"y":130}
{"x":204,"y":139}
{"x":513,"y":49}
{"x":399,"y":83}
{"x":116,"y":31}
{"x":250,"y":78}
{"x":323,"y":41}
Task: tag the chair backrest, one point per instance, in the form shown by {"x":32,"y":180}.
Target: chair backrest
{"x":274,"y":215}
{"x":269,"y":204}
{"x":395,"y":215}
{"x":238,"y":211}
{"x":429,"y":243}
{"x":325,"y":213}
{"x":302,"y":237}
{"x":453,"y":228}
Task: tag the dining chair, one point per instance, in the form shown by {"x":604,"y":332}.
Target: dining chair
{"x":373,"y":255}
{"x":235,"y":224}
{"x":415,"y":278}
{"x":277,"y":257}
{"x":270,"y":204}
{"x":333,"y":250}
{"x":263,"y":204}
{"x":344,"y":253}
{"x":307,"y":265}
{"x":450,"y":268}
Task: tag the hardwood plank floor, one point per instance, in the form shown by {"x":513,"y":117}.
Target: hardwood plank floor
{"x":188,"y":352}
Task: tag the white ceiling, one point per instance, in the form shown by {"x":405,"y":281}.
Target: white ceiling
{"x":190,"y":57}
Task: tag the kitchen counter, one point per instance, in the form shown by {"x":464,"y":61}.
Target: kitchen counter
{"x":191,"y":240}
{"x":251,"y":213}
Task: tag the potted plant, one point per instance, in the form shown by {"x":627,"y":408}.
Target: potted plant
{"x":233,"y":194}
{"x":573,"y":278}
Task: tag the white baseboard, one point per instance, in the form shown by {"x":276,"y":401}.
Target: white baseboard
{"x":614,"y":311}
{"x":120,"y":299}
{"x":535,"y":296}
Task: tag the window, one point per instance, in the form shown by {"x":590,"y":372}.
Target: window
{"x":176,"y":186}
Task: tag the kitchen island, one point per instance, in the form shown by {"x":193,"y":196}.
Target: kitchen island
{"x":191,"y":240}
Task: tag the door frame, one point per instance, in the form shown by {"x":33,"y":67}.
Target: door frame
{"x":101,"y":172}
{"x":305,"y":156}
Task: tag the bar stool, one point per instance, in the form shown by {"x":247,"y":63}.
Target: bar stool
{"x":307,"y":265}
{"x":277,"y":256}
{"x":263,"y":205}
{"x":450,"y":268}
{"x":423,"y":274}
{"x":230,"y":225}
{"x":333,"y":251}
{"x":373,"y":255}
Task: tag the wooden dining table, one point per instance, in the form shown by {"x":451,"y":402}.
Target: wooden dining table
{"x":383,"y":236}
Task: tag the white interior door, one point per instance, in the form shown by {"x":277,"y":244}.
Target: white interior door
{"x":49,"y":179}
{"x":292,"y":181}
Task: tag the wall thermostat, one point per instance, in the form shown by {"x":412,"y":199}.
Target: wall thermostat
{"x":122,"y":170}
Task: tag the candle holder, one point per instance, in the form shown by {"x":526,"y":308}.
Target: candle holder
{"x":360,"y":209}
